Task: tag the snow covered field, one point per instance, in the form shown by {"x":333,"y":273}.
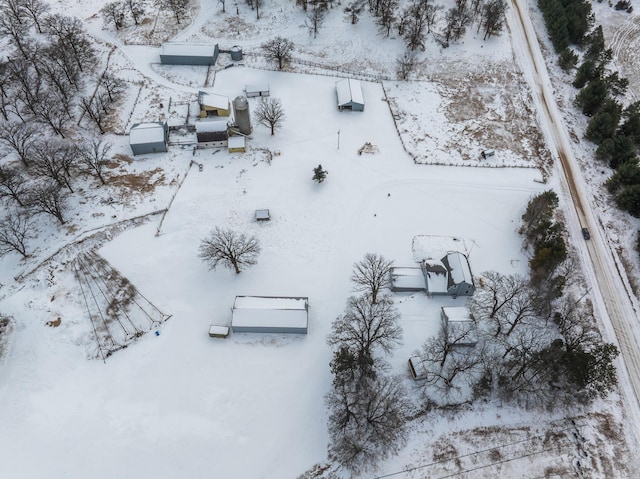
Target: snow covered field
{"x":181,"y":404}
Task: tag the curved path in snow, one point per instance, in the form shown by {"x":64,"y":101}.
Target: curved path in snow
{"x":613,"y":299}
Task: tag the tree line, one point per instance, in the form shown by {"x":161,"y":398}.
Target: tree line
{"x":613,"y":126}
{"x":48,"y":83}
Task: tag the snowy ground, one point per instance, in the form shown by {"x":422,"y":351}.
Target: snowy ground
{"x":183,"y":404}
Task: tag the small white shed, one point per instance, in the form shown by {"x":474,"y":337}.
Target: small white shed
{"x":270,"y":314}
{"x":261,"y":90}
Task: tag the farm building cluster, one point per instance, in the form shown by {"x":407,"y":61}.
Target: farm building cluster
{"x":221,"y":123}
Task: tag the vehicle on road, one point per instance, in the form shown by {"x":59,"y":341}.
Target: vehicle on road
{"x":585,"y":234}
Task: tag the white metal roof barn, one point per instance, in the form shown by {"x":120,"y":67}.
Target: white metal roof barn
{"x":350,"y":95}
{"x":270,"y":314}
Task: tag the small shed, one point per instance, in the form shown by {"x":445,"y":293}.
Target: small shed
{"x":460,"y":326}
{"x":213,"y":105}
{"x":216,"y":331}
{"x":186,"y":53}
{"x":149,"y":137}
{"x":350,"y":95}
{"x":237,"y":144}
{"x":252,"y":91}
{"x":270,"y":314}
{"x":212,"y":133}
{"x":263,"y":215}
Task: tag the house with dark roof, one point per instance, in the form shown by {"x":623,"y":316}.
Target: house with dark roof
{"x":451,"y":275}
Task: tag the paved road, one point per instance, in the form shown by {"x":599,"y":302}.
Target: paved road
{"x":602,"y":267}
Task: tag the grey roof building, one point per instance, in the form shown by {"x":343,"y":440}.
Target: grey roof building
{"x":149,"y":137}
{"x":185,"y":53}
{"x":450,"y":275}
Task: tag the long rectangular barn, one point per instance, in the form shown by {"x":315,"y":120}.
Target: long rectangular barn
{"x":270,"y":314}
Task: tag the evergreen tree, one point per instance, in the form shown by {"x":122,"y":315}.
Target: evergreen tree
{"x":616,"y":150}
{"x":627,"y":174}
{"x":319,"y":175}
{"x":628,"y":199}
{"x":592,"y":97}
{"x":604,"y":123}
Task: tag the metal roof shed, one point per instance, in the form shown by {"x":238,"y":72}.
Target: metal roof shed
{"x":148,"y":137}
{"x":270,"y":314}
{"x":350,"y":95}
{"x":185,"y":53}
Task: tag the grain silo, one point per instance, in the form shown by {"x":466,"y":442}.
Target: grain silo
{"x":241,"y":110}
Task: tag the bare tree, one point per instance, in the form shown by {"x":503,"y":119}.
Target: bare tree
{"x":234,"y":250}
{"x":136,"y":9}
{"x":458,"y":19}
{"x":372,"y":274}
{"x":366,"y":326}
{"x":20,"y":137}
{"x":278,"y":50}
{"x":413,"y":23}
{"x":316,"y":18}
{"x":114,"y":12}
{"x":6,"y":87}
{"x":495,"y":294}
{"x":54,"y":160}
{"x":36,"y":10}
{"x":113,"y":86}
{"x":367,"y":421}
{"x":15,"y":24}
{"x":270,"y":113}
{"x":15,"y":232}
{"x":353,"y":10}
{"x":406,"y":64}
{"x":493,"y":17}
{"x":47,"y":197}
{"x":13,"y":185}
{"x":177,"y":7}
{"x":387,"y":15}
{"x":453,"y":362}
{"x":94,"y":156}
{"x":69,"y":35}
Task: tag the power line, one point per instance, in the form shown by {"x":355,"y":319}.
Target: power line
{"x":422,"y":466}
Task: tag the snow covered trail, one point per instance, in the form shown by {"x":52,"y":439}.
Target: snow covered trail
{"x":613,"y":300}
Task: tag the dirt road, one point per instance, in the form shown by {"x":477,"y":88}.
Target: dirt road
{"x":614,"y":302}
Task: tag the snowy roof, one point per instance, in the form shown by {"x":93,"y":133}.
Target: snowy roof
{"x":349,"y":91}
{"x":236,"y":142}
{"x":144,"y":133}
{"x":205,"y":126}
{"x":436,"y":276}
{"x":214,"y":101}
{"x":189,"y":49}
{"x":459,"y":268}
{"x":256,"y":87}
{"x":270,"y":312}
{"x":407,"y":278}
{"x":456,"y":314}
